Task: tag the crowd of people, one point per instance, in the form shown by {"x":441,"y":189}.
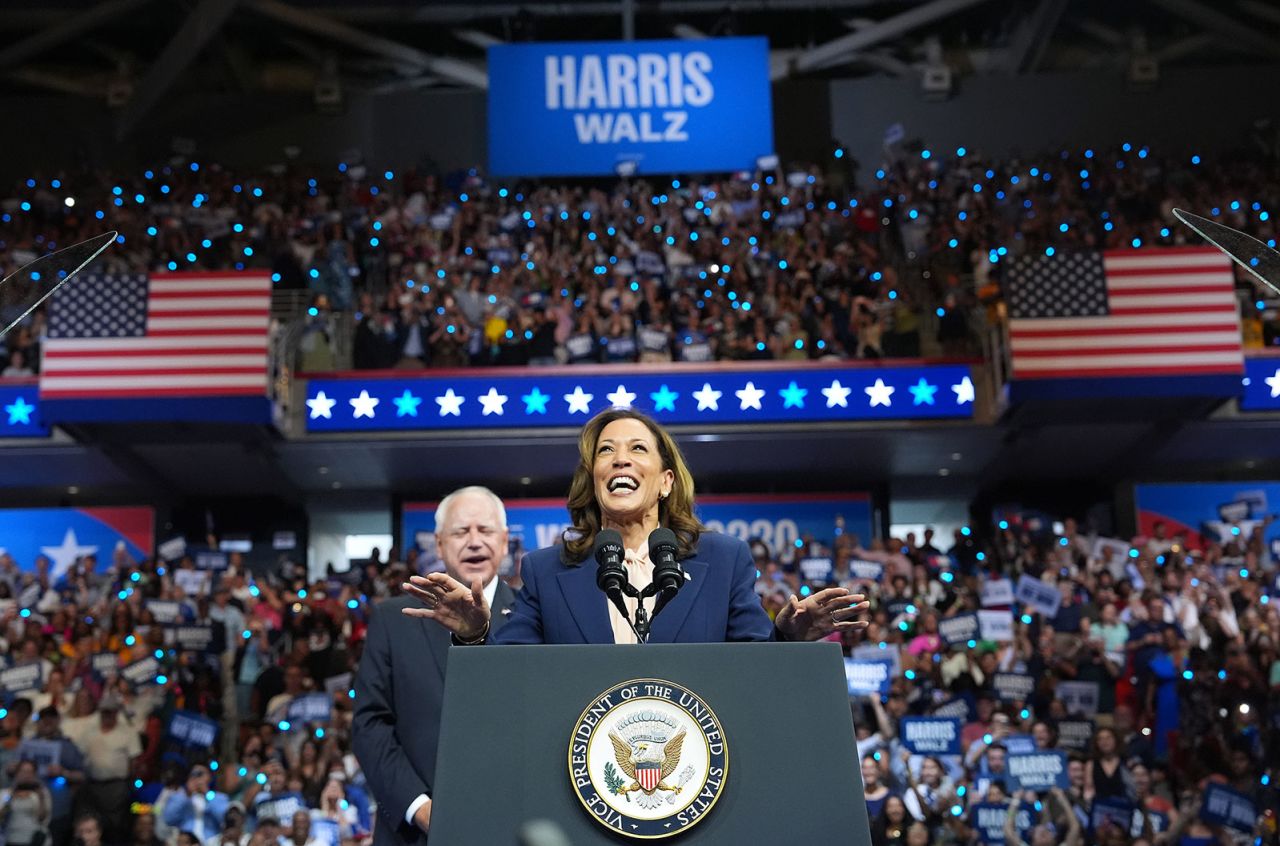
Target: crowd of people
{"x":413,"y":270}
{"x":216,"y":710}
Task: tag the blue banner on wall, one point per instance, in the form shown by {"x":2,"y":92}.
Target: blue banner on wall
{"x":63,"y":535}
{"x":778,"y":520}
{"x":598,"y":107}
{"x":530,"y":397}
{"x":20,"y":414}
{"x":1215,"y":511}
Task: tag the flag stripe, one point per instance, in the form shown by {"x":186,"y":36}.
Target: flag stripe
{"x":166,"y":335}
{"x":1163,"y":352}
{"x":1124,"y":313}
{"x":155,"y":380}
{"x":1149,"y":370}
{"x":1060,"y":362}
{"x":137,"y":363}
{"x":1148,"y":341}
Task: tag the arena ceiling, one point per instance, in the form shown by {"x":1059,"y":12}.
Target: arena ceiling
{"x":139,"y":53}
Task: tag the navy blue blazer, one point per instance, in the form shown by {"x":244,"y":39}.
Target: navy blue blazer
{"x":561,"y":603}
{"x":396,"y":725}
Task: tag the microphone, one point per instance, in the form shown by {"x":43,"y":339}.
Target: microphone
{"x":611,"y":577}
{"x":668,"y":576}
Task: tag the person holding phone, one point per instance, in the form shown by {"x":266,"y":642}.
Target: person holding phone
{"x":27,"y":809}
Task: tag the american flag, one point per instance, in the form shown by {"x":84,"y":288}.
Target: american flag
{"x":172,"y":334}
{"x":1156,"y":312}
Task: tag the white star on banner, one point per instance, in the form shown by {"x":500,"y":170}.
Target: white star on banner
{"x":64,"y":556}
{"x":879,"y":393}
{"x":1274,"y":383}
{"x":964,"y":391}
{"x":450,"y":403}
{"x":621,"y":398}
{"x":363,"y":405}
{"x":321,"y":406}
{"x":837,"y":394}
{"x":579,"y":401}
{"x":493,"y":402}
{"x":750,"y":396}
{"x":708,"y":398}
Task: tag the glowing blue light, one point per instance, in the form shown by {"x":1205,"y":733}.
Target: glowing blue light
{"x":284,"y":725}
{"x":24,"y":613}
{"x":1048,"y":251}
{"x":137,"y":784}
{"x":1195,"y":160}
{"x":1188,"y":675}
{"x":1222,"y":675}
{"x":805,"y":590}
{"x":260,"y":778}
{"x":353,"y":604}
{"x":982,"y":556}
{"x":839,"y":153}
{"x":1026,"y":619}
{"x":162,"y":679}
{"x":924,"y":154}
{"x":1136,"y":242}
{"x":910,"y":674}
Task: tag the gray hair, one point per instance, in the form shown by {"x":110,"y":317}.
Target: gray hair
{"x":442,"y":510}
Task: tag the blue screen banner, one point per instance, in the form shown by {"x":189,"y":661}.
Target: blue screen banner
{"x":778,"y":520}
{"x":606,"y":107}
{"x":570,"y":396}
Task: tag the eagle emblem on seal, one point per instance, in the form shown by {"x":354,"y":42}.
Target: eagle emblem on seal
{"x":648,"y":762}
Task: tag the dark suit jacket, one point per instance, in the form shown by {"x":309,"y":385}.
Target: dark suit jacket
{"x":561,"y":603}
{"x":399,"y":693}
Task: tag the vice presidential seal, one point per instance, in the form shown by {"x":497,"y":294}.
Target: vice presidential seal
{"x":648,"y":759}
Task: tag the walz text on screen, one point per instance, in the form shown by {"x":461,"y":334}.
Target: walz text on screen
{"x":606,"y":107}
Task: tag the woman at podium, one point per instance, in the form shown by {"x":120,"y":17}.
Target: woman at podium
{"x":632,"y":479}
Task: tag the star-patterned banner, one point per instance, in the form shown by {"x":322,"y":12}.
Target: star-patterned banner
{"x":1261,"y":384}
{"x":565,"y":397}
{"x":20,"y":412}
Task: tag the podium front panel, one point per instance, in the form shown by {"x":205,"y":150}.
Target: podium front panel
{"x":510,"y":711}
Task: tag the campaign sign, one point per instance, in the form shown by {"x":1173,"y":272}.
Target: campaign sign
{"x":958,"y":630}
{"x":105,"y":664}
{"x":868,"y":677}
{"x":1012,"y":687}
{"x":876,"y":652}
{"x":995,"y":625}
{"x":310,"y":708}
{"x":1110,"y":810}
{"x":1224,"y":806}
{"x":193,"y":729}
{"x":815,"y":569}
{"x":44,"y":753}
{"x":870,"y":570}
{"x":595,"y":107}
{"x":957,"y":708}
{"x":165,"y":610}
{"x":280,"y":808}
{"x":1078,"y":697}
{"x":1019,"y":744}
{"x":1038,"y":771}
{"x":1038,"y":595}
{"x":997,"y":592}
{"x":212,"y":559}
{"x":141,"y":672}
{"x":192,"y":582}
{"x":1075,"y":735}
{"x":324,"y":832}
{"x":22,"y":678}
{"x":988,"y":818}
{"x":930,"y":735}
{"x":337,"y":685}
{"x":193,"y":638}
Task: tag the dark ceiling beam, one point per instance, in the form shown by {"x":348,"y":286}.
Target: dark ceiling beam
{"x":200,"y":27}
{"x":65,"y":29}
{"x":891,"y":27}
{"x":454,"y":70}
{"x":1032,"y":38}
{"x":1225,"y":25}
